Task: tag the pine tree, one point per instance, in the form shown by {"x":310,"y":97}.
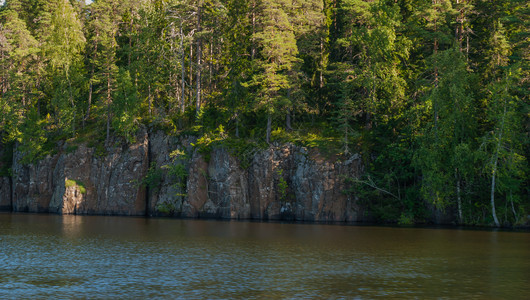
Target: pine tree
{"x":19,"y":53}
{"x":125,"y":106}
{"x":179,"y":35}
{"x":102,"y":44}
{"x":278,"y":51}
{"x":238,"y":34}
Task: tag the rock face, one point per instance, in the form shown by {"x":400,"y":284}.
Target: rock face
{"x":33,"y":185}
{"x":5,"y":182}
{"x":5,"y":194}
{"x":282,"y":183}
{"x":161,"y":175}
{"x":169,"y":164}
{"x":81,"y":182}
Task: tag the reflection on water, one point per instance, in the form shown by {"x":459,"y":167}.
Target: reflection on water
{"x":107,"y":257}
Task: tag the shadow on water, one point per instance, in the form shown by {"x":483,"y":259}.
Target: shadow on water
{"x":107,"y":257}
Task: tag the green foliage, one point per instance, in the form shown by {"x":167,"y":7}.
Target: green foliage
{"x":75,"y":183}
{"x":125,"y":107}
{"x":447,"y":146}
{"x":406,"y":219}
{"x":166,"y":208}
{"x":282,"y":185}
{"x":6,"y":160}
{"x":432,"y":94}
{"x":243,"y":149}
{"x":33,"y":142}
{"x":71,"y":148}
{"x":177,"y":168}
{"x":153,"y":177}
{"x":209,"y":139}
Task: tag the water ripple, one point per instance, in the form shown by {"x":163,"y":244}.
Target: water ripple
{"x":104,"y":257}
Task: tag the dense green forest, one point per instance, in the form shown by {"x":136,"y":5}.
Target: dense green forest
{"x":432,"y":93}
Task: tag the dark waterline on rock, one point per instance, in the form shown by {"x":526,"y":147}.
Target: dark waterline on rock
{"x":130,"y":257}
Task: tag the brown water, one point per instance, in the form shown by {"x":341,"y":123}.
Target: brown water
{"x":48,"y":256}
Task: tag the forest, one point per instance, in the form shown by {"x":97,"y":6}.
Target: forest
{"x":433,"y":94}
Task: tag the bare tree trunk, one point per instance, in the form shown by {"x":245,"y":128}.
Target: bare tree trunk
{"x":494,"y":170}
{"x":89,"y":99}
{"x":237,"y":125}
{"x":436,"y":79}
{"x":492,"y":199}
{"x":149,"y":98}
{"x":191,"y":76}
{"x":346,"y":141}
{"x":198,"y":100}
{"x":321,"y":75}
{"x":210,"y":67}
{"x":516,"y":218}
{"x":269,"y":128}
{"x":288,"y":114}
{"x":467,"y":47}
{"x":253,"y":40}
{"x":71,"y":96}
{"x":4,"y":75}
{"x":91,"y":88}
{"x":458,"y":197}
{"x":130,"y":43}
{"x":183,"y":71}
{"x":108,"y":106}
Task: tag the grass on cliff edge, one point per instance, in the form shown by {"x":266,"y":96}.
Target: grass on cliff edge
{"x":327,"y":142}
{"x":79,"y":184}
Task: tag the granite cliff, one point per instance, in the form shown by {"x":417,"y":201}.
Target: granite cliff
{"x":162,"y":175}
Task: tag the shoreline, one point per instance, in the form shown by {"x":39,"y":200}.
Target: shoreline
{"x":491,"y":228}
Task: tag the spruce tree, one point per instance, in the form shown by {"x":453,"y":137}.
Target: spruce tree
{"x":278,"y":50}
{"x":102,"y":29}
{"x":19,"y":53}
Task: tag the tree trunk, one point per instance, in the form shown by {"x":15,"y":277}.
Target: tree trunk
{"x":346,"y":141}
{"x":269,"y":128}
{"x":492,"y":199}
{"x":198,"y":79}
{"x":89,"y":100}
{"x":129,"y":52}
{"x":253,"y":40}
{"x":71,"y":96}
{"x":237,"y":125}
{"x":288,"y":114}
{"x":149,"y":97}
{"x":90,"y":91}
{"x":321,"y":75}
{"x":516,"y":218}
{"x":288,"y":121}
{"x":210,"y":67}
{"x":108,"y":106}
{"x":183,"y":71}
{"x":494,"y":170}
{"x":458,"y":197}
{"x":4,"y":76}
{"x":191,"y":76}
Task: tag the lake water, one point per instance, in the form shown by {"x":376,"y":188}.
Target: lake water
{"x":50,"y":256}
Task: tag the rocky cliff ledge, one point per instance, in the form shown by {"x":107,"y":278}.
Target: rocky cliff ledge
{"x":283,"y":182}
{"x":81,"y":182}
{"x":163,"y":175}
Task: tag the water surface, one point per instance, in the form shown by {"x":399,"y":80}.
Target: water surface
{"x":50,"y":256}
